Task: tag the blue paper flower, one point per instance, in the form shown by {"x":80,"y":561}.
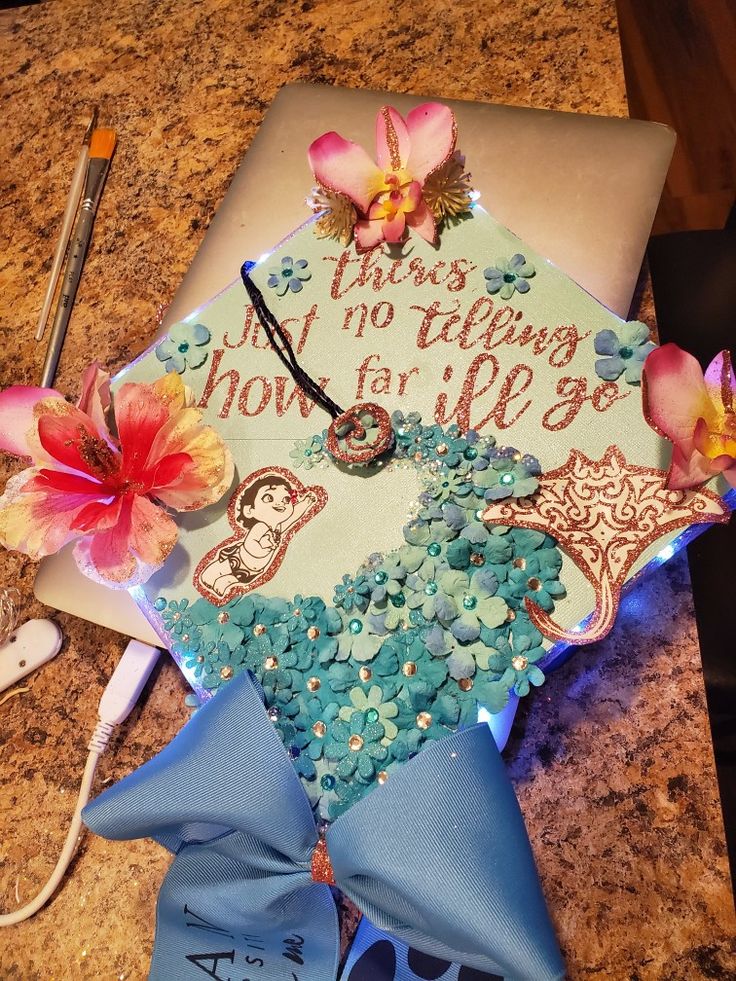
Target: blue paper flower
{"x":625,"y":350}
{"x":353,"y":593}
{"x":184,"y":347}
{"x":307,"y":453}
{"x":289,"y":276}
{"x":509,"y":275}
{"x":356,"y":746}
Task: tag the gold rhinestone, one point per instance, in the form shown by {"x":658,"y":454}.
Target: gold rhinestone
{"x":477,"y":559}
{"x":200,"y":658}
{"x":534,"y":583}
{"x":223,"y":617}
{"x":185,"y":638}
{"x":409,"y":669}
{"x":259,"y":630}
{"x":465,"y":684}
{"x":418,"y":457}
{"x":297,"y":612}
{"x":424,"y":720}
{"x":442,"y":449}
{"x":176,"y":617}
{"x":516,"y":456}
{"x":226,"y":672}
{"x":519,"y":563}
{"x":313,"y":684}
{"x":271,"y":663}
{"x":510,"y":616}
{"x":313,"y":633}
{"x":355,"y":743}
{"x":382,"y":777}
{"x":519,"y":662}
{"x":365,"y":674}
{"x":319,"y":729}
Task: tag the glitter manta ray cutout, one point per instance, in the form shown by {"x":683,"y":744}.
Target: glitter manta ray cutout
{"x":604,"y":514}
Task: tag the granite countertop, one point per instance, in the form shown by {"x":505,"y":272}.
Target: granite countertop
{"x":612,"y":760}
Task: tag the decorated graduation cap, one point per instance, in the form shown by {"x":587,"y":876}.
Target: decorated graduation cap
{"x":415,"y":462}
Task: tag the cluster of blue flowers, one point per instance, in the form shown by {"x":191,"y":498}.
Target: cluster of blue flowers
{"x":413,"y":642}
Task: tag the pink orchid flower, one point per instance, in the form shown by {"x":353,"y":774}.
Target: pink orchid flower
{"x":696,"y":411}
{"x":106,"y":490}
{"x":388,"y":193}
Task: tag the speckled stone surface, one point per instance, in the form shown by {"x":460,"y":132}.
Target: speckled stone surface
{"x":612,"y":759}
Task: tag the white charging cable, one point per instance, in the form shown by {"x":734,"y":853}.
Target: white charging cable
{"x":117,"y":701}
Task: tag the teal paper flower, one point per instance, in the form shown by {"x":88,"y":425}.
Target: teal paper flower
{"x":356,"y":746}
{"x":424,"y":593}
{"x":535,"y":576}
{"x":307,"y":453}
{"x":626,"y":350}
{"x":184,"y":347}
{"x":448,"y":484}
{"x":509,"y":275}
{"x":476,"y":602}
{"x":388,"y":578}
{"x":516,"y":660}
{"x":506,"y":477}
{"x":176,"y":617}
{"x":353,"y":593}
{"x":359,"y":641}
{"x":375,"y":709}
{"x":289,"y":276}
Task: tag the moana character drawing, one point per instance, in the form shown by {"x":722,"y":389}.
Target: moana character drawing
{"x":265,"y":512}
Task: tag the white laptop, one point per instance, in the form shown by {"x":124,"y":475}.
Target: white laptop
{"x":582,"y":190}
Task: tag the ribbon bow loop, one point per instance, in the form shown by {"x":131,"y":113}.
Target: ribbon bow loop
{"x":438,"y":856}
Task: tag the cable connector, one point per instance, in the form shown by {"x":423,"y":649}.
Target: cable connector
{"x":127,"y":681}
{"x":116,"y":704}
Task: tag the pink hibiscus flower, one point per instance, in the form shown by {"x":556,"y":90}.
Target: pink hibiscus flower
{"x":102,"y":489}
{"x":696,"y":411}
{"x":388,"y":193}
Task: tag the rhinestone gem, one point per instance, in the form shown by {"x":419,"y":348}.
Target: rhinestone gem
{"x":226,"y":673}
{"x":477,"y":558}
{"x":355,"y":626}
{"x":470,"y":453}
{"x":259,"y":630}
{"x":200,"y":658}
{"x":365,"y":674}
{"x":516,"y":456}
{"x":519,"y":662}
{"x":328,"y":782}
{"x":510,"y":616}
{"x":434,"y":549}
{"x":296,"y":611}
{"x":319,"y":729}
{"x":274,"y":713}
{"x":469,"y":602}
{"x":519,"y":563}
{"x":381,"y":577}
{"x":185,"y":638}
{"x":409,"y":669}
{"x":424,"y":720}
{"x":176,"y":617}
{"x":355,"y":743}
{"x":160,"y":604}
{"x":223,"y":617}
{"x":271,"y":663}
{"x":313,"y":684}
{"x":506,"y":479}
{"x":431,"y":588}
{"x":465,"y":684}
{"x":313,"y":633}
{"x":372,"y":715}
{"x":534,"y":583}
{"x":442,"y":449}
{"x":382,"y":777}
{"x":479,"y":514}
{"x":398,"y":600}
{"x":625,"y":353}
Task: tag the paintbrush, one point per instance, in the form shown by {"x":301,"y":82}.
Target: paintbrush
{"x":72,"y":203}
{"x":101,"y":149}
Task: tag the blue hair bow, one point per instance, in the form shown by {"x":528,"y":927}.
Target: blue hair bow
{"x":438,"y":856}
